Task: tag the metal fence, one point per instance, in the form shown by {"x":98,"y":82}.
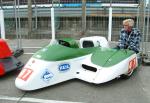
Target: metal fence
{"x":75,"y":18}
{"x":69,"y":18}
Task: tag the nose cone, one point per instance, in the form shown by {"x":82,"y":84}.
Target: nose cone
{"x":31,"y":80}
{"x":20,"y":84}
{"x":24,"y":81}
{"x":27,"y":85}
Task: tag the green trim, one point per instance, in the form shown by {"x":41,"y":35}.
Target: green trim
{"x":59,"y":52}
{"x":110,"y":57}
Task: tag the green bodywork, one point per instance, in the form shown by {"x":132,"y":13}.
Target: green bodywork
{"x":104,"y":57}
{"x":110,"y":57}
{"x":60,"y":52}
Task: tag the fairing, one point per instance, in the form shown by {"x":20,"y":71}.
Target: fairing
{"x":54,"y":64}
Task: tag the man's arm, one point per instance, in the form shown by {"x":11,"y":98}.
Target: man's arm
{"x":135,"y":43}
{"x":122,"y":42}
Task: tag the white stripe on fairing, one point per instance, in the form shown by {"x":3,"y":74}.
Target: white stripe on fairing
{"x":34,"y":100}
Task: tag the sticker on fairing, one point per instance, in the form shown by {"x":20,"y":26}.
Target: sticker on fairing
{"x":25,"y":74}
{"x":64,"y":67}
{"x":47,"y":75}
{"x":132,"y":64}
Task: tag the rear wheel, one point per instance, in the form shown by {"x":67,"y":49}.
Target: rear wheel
{"x":128,"y":75}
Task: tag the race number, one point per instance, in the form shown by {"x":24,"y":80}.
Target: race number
{"x":132,"y":64}
{"x":25,"y":74}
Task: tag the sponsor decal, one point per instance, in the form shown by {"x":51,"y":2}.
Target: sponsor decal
{"x":47,"y":75}
{"x":64,"y":67}
{"x":132,"y":64}
{"x":25,"y":74}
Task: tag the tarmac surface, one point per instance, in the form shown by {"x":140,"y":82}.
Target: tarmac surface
{"x":133,"y":90}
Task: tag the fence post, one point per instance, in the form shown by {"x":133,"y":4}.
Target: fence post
{"x":29,"y":18}
{"x":53,"y":24}
{"x":110,"y":23}
{"x":2,"y":25}
{"x":53,"y":40}
{"x":83,"y":16}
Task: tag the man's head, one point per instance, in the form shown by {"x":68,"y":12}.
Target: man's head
{"x":128,"y":24}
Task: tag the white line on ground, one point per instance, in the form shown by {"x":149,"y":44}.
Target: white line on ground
{"x":29,"y":53}
{"x":31,"y":47}
{"x":33,"y":100}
